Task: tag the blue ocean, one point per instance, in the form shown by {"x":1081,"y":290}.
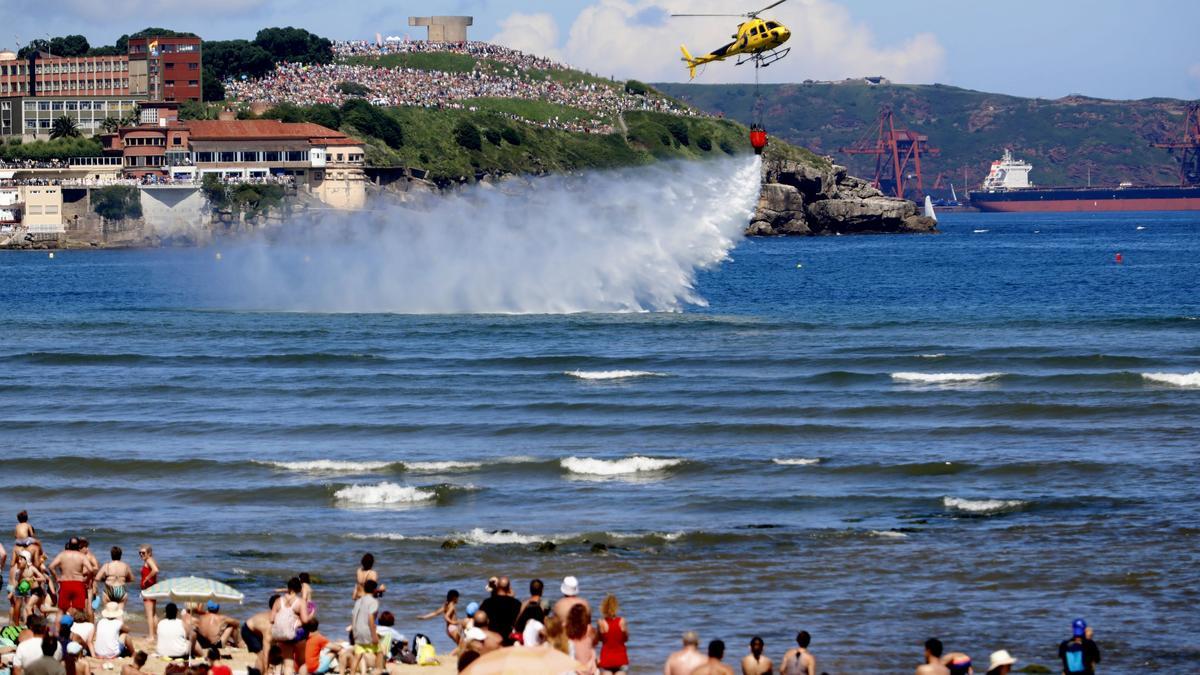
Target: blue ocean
{"x":978,"y":435}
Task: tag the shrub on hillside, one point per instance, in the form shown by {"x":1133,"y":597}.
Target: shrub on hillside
{"x":636,"y":88}
{"x":704,"y":144}
{"x":679,"y":130}
{"x":353,"y":89}
{"x":467,"y":135}
{"x":373,"y":121}
{"x":727,"y":147}
{"x":492,"y":136}
{"x":511,"y":135}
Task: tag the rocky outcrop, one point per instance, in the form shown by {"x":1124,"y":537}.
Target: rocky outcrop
{"x":801,"y":199}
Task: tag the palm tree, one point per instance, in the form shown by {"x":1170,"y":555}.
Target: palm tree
{"x":110,"y":124}
{"x":64,"y":127}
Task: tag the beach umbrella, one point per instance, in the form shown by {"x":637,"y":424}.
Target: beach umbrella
{"x":524,"y":661}
{"x":192,"y":589}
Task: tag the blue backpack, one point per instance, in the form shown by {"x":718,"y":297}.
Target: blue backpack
{"x":1073,"y":658}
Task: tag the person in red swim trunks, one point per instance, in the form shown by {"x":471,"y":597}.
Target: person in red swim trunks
{"x":72,"y":568}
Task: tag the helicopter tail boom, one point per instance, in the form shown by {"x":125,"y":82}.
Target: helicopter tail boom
{"x":691,"y":62}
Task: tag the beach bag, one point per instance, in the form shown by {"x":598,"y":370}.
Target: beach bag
{"x":286,"y":624}
{"x":1073,"y":658}
{"x":11,"y":633}
{"x":425,"y":651}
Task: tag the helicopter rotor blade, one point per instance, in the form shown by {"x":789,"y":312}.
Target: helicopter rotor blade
{"x":755,"y":14}
{"x":724,"y":15}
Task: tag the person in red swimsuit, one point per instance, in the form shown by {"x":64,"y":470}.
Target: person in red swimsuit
{"x":614,"y":633}
{"x":149,"y":578}
{"x":72,"y":568}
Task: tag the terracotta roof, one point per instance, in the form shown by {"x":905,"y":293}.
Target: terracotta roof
{"x":224,"y":130}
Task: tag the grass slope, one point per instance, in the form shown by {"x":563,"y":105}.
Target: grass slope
{"x":430,"y":141}
{"x":1062,"y":138}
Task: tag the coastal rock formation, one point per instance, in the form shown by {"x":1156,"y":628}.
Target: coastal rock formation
{"x":802,"y":199}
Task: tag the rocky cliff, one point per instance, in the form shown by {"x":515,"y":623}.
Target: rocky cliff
{"x":799,"y":198}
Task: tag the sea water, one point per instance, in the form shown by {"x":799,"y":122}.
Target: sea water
{"x":978,"y":435}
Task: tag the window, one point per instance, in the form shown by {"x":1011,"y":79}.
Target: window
{"x":193,"y":66}
{"x":226,"y":156}
{"x":178,"y":140}
{"x":339,"y":157}
{"x":43,"y":105}
{"x":204,"y":157}
{"x":272,"y":156}
{"x":57,"y":105}
{"x":297,"y":156}
{"x":193,"y":83}
{"x":170,"y":66}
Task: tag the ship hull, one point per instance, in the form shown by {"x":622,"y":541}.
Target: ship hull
{"x":1088,"y":200}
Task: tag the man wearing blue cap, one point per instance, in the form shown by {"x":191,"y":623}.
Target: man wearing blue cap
{"x":215,"y":630}
{"x":1079,"y":654}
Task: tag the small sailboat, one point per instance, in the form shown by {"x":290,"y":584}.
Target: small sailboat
{"x":929,"y":212}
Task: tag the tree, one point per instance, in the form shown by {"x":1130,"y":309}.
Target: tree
{"x":467,"y":135}
{"x":64,"y":127}
{"x":325,"y":115}
{"x":69,"y":45}
{"x":117,"y":202}
{"x":294,"y":45}
{"x":38,"y":45}
{"x":636,"y":88}
{"x":225,"y":59}
{"x":110,"y":125}
{"x":511,"y":135}
{"x":353,"y":89}
{"x":373,"y":121}
{"x":285,"y":112}
{"x":211,"y":87}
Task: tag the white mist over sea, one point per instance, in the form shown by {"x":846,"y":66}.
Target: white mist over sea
{"x":627,"y":240}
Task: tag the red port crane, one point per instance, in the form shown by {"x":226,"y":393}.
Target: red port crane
{"x":894,"y":149}
{"x":1189,"y":147}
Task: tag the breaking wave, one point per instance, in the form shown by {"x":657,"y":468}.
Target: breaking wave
{"x":330,"y":466}
{"x":383,"y":494}
{"x":627,"y":240}
{"x":982,"y":506}
{"x":797,"y":461}
{"x":1186,"y":380}
{"x":610,"y":374}
{"x":441,"y":467}
{"x":628,"y":466}
{"x":945,"y":378}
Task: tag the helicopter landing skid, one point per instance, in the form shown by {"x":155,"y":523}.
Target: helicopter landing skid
{"x":764,"y":59}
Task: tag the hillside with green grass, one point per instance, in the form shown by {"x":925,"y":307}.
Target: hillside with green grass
{"x":1064,"y":139}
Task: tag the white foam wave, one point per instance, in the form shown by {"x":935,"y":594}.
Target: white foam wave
{"x":441,"y":467}
{"x":384,"y":494}
{"x":665,"y":536}
{"x":797,"y":461}
{"x":1187,"y":380}
{"x":1141,"y":227}
{"x":328,"y":466}
{"x":589,"y":466}
{"x":979,"y":231}
{"x":945,"y":378}
{"x":243,"y":572}
{"x":981,"y":505}
{"x":938,"y":355}
{"x":380,"y":536}
{"x":889,"y":534}
{"x":610,"y":374}
{"x":482,"y":537}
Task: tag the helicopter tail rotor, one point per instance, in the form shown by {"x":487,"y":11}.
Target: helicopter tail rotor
{"x":691,"y":62}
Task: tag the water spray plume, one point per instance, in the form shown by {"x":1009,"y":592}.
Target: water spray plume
{"x":613,"y":241}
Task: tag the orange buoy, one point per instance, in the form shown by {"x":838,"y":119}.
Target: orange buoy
{"x":1120,"y":259}
{"x":758,"y":139}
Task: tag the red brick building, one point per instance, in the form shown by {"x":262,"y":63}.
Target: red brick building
{"x":169,"y":67}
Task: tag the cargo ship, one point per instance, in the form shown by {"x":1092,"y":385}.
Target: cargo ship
{"x":1007,"y":189}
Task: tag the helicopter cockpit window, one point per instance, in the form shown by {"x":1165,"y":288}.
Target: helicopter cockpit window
{"x":772,"y":25}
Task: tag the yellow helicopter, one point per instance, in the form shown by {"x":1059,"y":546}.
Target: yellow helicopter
{"x":757,"y":40}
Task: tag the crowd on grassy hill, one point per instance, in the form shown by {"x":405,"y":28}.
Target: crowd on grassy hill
{"x":479,"y":50}
{"x":308,"y":84}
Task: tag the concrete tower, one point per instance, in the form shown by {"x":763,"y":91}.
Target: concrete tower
{"x":444,"y":28}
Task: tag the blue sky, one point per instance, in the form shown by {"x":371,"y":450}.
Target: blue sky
{"x":1047,"y":48}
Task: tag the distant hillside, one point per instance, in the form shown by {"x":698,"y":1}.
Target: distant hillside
{"x":1061,"y":138}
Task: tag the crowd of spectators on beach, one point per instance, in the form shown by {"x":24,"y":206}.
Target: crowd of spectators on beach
{"x":68,"y":614}
{"x":306,"y":84}
{"x":33,"y":164}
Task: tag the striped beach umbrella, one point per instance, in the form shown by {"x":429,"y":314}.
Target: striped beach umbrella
{"x":192,"y":589}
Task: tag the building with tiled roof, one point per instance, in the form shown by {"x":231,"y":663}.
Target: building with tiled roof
{"x":322,"y":161}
